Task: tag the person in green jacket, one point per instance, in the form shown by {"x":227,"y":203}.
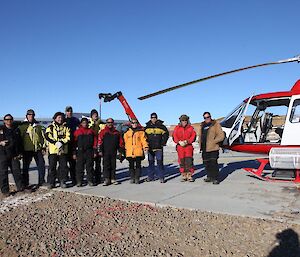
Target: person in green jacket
{"x":34,"y":146}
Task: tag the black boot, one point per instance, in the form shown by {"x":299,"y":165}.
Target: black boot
{"x":137,"y":176}
{"x":132,"y":173}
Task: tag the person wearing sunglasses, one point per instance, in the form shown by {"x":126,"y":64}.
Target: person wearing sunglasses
{"x":110,"y":142}
{"x":136,"y":146}
{"x":184,"y":135}
{"x":10,"y":153}
{"x":210,"y":136}
{"x":157,"y":135}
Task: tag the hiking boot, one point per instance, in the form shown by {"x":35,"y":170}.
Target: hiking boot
{"x":63,"y":185}
{"x":216,"y":182}
{"x":191,"y":179}
{"x":50,"y":186}
{"x":79,"y":184}
{"x":208,"y":179}
{"x":183,"y":177}
{"x":114,"y":182}
{"x":91,"y":184}
{"x":106,"y":182}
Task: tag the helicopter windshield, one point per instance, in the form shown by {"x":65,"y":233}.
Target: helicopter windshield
{"x":229,"y":120}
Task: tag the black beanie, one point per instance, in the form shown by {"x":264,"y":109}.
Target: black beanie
{"x":94,"y":111}
{"x":58,"y":114}
{"x":84,"y":119}
{"x":153,"y":114}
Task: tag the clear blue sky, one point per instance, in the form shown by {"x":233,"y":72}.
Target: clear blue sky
{"x":65,"y":52}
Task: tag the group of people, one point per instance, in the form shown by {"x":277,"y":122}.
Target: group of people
{"x":75,"y":146}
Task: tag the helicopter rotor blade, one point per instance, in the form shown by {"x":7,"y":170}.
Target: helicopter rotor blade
{"x":294,"y":59}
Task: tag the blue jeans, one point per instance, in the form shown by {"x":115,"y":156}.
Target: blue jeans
{"x":158,"y":154}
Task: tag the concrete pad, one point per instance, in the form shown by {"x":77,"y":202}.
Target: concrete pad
{"x":238,"y":193}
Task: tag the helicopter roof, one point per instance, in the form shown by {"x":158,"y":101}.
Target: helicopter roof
{"x":295,"y":90}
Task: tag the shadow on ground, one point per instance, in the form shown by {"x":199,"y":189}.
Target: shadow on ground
{"x":288,"y":244}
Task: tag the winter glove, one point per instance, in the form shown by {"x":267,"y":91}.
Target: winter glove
{"x":183,"y":143}
{"x":58,"y":145}
{"x":4,"y":142}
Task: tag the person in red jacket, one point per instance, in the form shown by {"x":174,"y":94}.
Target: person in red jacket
{"x":85,"y":149}
{"x":110,"y":142}
{"x":184,"y":135}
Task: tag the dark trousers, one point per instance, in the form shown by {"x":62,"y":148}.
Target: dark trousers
{"x":158,"y":155}
{"x":14,"y":166}
{"x":97,"y":169}
{"x":40,"y":162}
{"x":63,"y":168}
{"x":135,"y":167}
{"x":85,"y":160}
{"x":210,"y":161}
{"x":72,"y":167}
{"x":109,"y":166}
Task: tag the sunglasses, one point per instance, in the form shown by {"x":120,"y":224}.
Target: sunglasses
{"x":207,"y":117}
{"x":109,"y":122}
{"x":8,"y":119}
{"x":134,"y":123}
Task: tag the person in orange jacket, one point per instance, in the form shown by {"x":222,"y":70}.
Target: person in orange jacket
{"x":184,"y":135}
{"x":136,"y":146}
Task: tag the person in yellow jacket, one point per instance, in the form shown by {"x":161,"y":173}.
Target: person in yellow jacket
{"x":58,"y":135}
{"x":136,"y":146}
{"x":34,"y":146}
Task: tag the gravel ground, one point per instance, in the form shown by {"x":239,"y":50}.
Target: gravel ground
{"x":51,"y":223}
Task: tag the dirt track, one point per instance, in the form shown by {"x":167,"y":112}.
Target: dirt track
{"x":66,"y":224}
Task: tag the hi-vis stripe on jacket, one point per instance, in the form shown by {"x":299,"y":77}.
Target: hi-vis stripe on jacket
{"x":57,"y":133}
{"x":157,"y":134}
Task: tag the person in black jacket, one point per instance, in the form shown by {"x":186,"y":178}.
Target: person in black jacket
{"x":110,"y":142}
{"x":72,"y":123}
{"x":10,"y":153}
{"x":157,"y":135}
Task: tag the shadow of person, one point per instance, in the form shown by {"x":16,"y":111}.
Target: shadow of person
{"x":288,"y":244}
{"x":229,"y":168}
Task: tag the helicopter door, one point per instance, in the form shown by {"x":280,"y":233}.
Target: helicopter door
{"x":236,"y":129}
{"x":291,"y":129}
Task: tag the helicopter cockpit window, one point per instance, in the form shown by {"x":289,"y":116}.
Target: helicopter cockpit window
{"x":295,"y":113}
{"x":230,"y":119}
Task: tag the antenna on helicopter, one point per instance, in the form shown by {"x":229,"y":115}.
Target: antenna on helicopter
{"x":294,"y":59}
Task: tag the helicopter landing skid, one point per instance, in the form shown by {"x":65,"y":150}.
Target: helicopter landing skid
{"x":262,"y":175}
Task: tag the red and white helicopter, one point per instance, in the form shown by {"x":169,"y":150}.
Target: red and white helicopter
{"x":263,"y":124}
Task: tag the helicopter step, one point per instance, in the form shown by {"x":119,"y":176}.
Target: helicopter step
{"x":278,"y":175}
{"x":284,"y":174}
